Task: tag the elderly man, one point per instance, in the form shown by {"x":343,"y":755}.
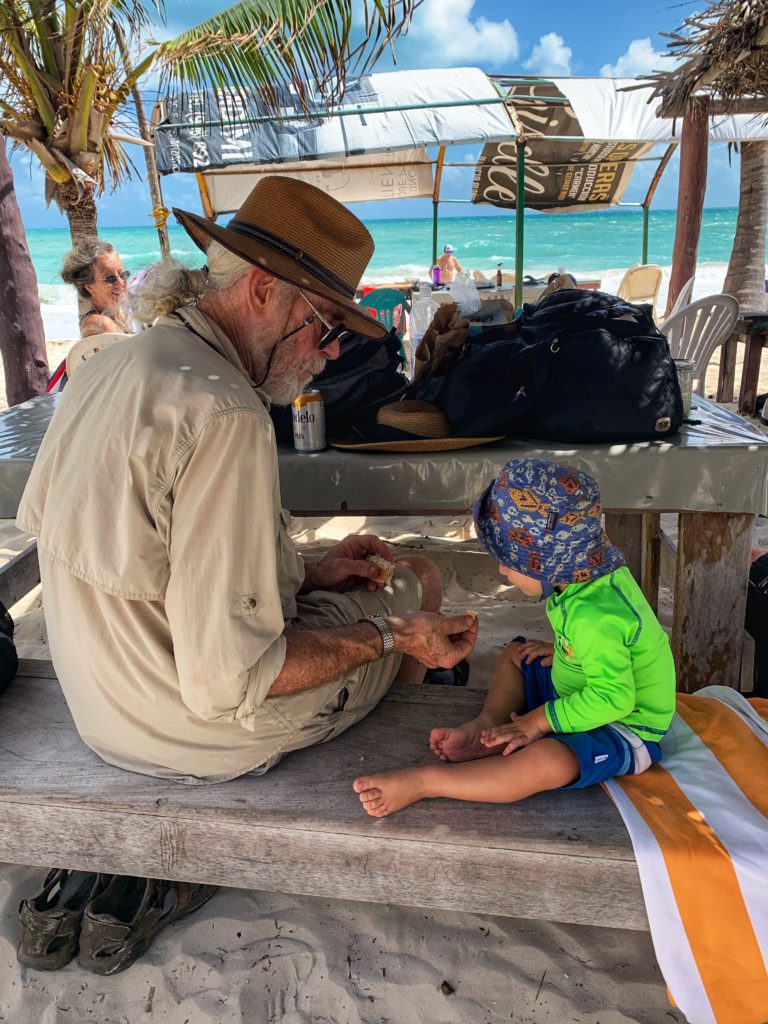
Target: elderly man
{"x":191,"y":640}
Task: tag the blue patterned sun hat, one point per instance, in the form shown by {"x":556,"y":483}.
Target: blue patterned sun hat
{"x":543,"y":519}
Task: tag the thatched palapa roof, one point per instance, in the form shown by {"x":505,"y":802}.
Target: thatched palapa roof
{"x":724,"y":50}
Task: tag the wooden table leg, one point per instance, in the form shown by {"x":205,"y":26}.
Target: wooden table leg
{"x":638,"y":535}
{"x":727,"y":376}
{"x":710,"y":597}
{"x":750,"y":373}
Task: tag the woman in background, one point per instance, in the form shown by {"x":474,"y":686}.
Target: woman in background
{"x":97,"y":272}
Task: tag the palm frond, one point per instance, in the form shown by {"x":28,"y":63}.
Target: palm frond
{"x":272,"y":47}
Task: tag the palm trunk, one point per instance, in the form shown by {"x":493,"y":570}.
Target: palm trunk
{"x":22,"y":337}
{"x":745,"y":279}
{"x":80,"y":211}
{"x":153,"y":178}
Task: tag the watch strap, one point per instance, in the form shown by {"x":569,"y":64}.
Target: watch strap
{"x":387,"y":636}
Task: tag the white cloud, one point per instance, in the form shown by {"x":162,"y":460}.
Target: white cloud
{"x":446,"y":35}
{"x":550,"y":56}
{"x":640,"y":59}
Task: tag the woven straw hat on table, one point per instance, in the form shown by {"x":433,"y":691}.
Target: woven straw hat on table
{"x":428,"y":425}
{"x":302,"y":235}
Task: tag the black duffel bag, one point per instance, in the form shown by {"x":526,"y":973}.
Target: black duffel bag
{"x":366,"y":375}
{"x":579,"y":366}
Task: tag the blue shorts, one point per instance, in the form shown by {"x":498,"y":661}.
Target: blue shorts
{"x":602,"y":753}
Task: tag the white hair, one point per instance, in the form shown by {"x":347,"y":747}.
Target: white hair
{"x":163,"y":287}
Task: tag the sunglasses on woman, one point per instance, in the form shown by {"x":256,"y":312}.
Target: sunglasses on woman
{"x":114,"y":278}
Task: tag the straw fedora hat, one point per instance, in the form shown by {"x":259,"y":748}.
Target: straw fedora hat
{"x":411,"y":426}
{"x":300,"y":234}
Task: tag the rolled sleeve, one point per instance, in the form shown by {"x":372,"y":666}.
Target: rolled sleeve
{"x":223,"y":599}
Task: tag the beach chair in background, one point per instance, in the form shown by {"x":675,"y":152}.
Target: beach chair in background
{"x":641,"y":284}
{"x":696,"y":330}
{"x":389,"y":306}
{"x":683,"y":299}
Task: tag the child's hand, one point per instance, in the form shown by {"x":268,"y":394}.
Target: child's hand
{"x":532,"y":649}
{"x":521,"y":730}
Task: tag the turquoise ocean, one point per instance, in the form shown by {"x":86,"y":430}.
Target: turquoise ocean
{"x":584,"y":243}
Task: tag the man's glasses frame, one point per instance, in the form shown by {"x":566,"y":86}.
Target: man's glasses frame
{"x":124,"y":275}
{"x":332,"y":331}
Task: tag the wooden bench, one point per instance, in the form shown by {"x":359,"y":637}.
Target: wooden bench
{"x":301,"y":829}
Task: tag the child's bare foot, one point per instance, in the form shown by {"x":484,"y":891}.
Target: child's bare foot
{"x":463,"y":742}
{"x":380,"y":795}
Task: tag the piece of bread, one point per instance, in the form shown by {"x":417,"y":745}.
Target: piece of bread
{"x":385,"y":567}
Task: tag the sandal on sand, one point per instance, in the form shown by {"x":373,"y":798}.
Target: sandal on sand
{"x":120,"y":925}
{"x":50,"y":921}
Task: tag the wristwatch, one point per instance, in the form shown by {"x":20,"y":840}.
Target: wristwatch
{"x":387,"y":636}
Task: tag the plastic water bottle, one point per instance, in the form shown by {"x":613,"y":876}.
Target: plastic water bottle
{"x":422,"y":312}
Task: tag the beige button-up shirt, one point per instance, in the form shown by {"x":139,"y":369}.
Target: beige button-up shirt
{"x":168,"y":573}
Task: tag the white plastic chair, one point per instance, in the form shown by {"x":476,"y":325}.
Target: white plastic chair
{"x":683,"y":299}
{"x":641,"y":283}
{"x":695,"y":331}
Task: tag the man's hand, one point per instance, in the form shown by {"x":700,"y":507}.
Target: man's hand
{"x":521,"y":730}
{"x":437,"y":641}
{"x":345,"y":566}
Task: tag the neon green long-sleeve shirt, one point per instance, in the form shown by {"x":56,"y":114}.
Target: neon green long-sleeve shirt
{"x":612,"y":659}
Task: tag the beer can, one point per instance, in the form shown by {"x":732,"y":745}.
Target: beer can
{"x":308,"y":414}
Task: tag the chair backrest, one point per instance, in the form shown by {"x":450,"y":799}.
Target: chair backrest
{"x":388,"y":305}
{"x":683,"y":299}
{"x":641,"y":283}
{"x":696,"y":330}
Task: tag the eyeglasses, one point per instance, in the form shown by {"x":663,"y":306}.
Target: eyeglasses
{"x":114,"y":278}
{"x":332,"y":331}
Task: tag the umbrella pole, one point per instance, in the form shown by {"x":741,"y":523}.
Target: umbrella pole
{"x":646,"y":211}
{"x":519,"y":223}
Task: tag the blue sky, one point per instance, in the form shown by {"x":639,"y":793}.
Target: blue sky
{"x":552,"y":38}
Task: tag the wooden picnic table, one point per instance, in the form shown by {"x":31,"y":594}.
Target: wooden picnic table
{"x":753,"y":328}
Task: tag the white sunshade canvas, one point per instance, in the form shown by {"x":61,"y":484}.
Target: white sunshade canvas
{"x":406,"y":174}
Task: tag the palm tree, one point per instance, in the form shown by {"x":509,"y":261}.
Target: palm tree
{"x":67,"y":72}
{"x":745,"y":278}
{"x":67,"y":81}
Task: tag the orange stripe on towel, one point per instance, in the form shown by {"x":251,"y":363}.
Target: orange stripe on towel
{"x":732,"y":742}
{"x":703,"y":880}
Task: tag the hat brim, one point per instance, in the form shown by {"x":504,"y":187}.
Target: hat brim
{"x":426,"y":444}
{"x":260,"y":254}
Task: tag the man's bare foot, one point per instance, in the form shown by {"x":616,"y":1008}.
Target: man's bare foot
{"x":463,"y":742}
{"x":380,"y":795}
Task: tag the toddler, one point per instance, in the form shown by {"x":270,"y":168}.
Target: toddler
{"x":591,"y":706}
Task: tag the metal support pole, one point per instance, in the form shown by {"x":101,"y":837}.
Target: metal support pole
{"x":646,"y":211}
{"x":436,"y":199}
{"x":435,"y":205}
{"x":519,"y":223}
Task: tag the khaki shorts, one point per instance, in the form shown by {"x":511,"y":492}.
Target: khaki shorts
{"x":314,"y":716}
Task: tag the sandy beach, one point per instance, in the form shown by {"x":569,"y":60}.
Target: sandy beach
{"x":256,"y":957}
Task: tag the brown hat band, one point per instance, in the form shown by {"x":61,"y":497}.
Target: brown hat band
{"x":301,"y":259}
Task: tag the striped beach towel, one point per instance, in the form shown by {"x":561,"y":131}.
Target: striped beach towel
{"x":699,"y":827}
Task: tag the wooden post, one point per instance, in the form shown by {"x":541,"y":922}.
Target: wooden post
{"x":727,"y":374}
{"x":690,"y":197}
{"x":638,"y":535}
{"x":710,"y":597}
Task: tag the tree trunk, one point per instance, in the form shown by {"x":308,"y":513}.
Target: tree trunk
{"x":153,"y":178}
{"x":745,"y":279}
{"x":690,"y":198}
{"x":22,"y":337}
{"x":80,"y":211}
